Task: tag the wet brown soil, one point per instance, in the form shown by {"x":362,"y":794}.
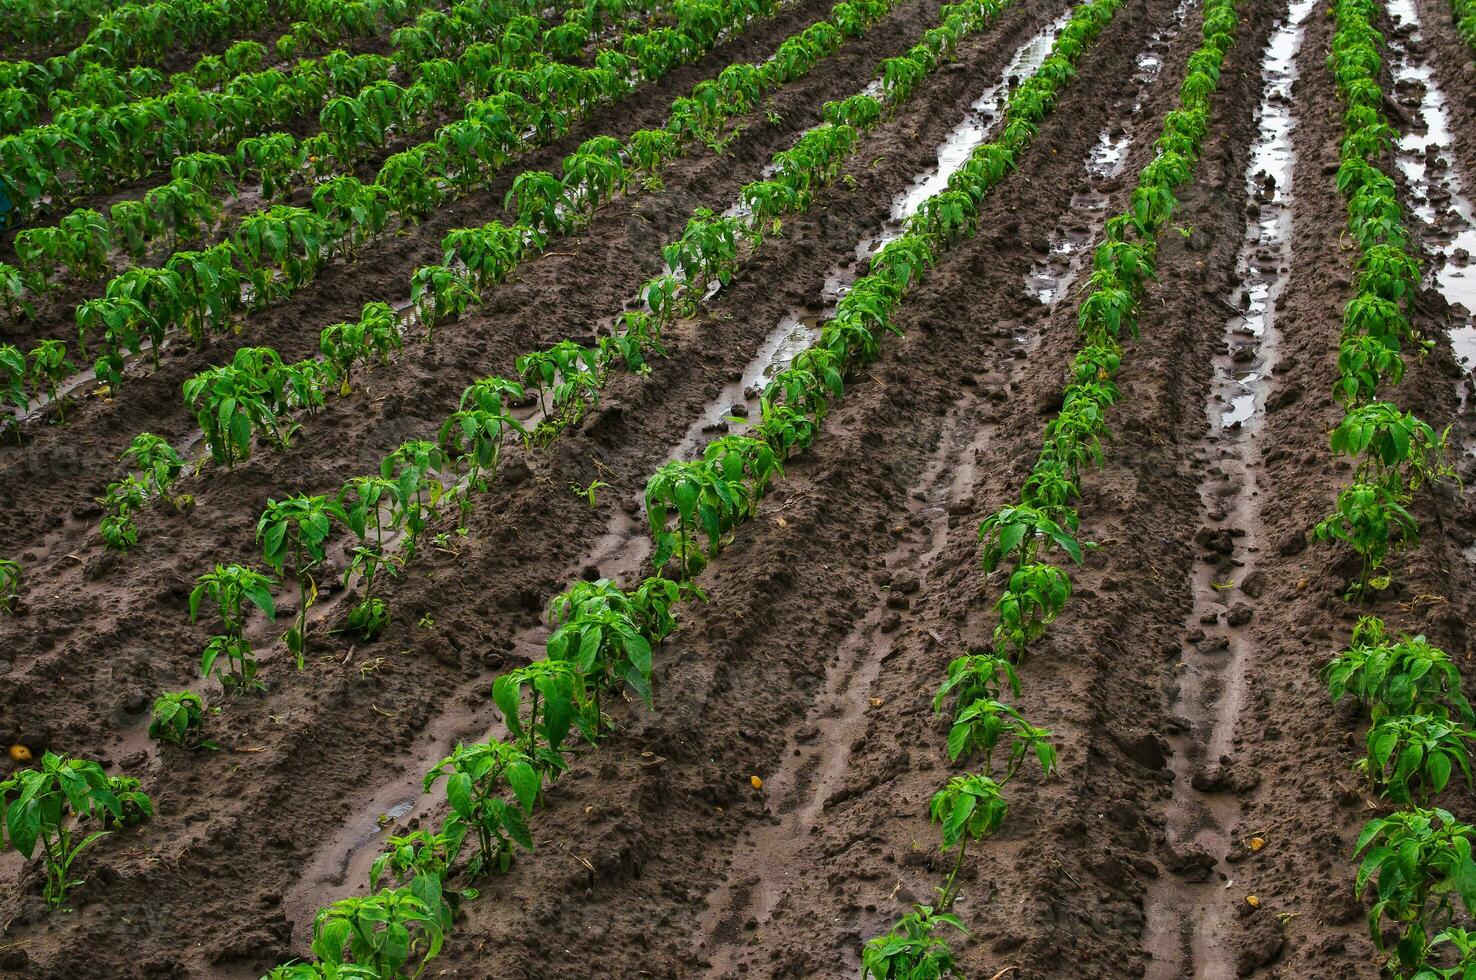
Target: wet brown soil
{"x":831,"y":616}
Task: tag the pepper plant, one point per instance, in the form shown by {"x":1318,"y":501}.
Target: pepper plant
{"x":705,"y":504}
{"x":1373,"y":519}
{"x":363,"y":500}
{"x":48,"y":367}
{"x":477,"y":776}
{"x":176,"y":717}
{"x":296,"y":531}
{"x":10,"y":584}
{"x":984,"y":723}
{"x":557,"y":701}
{"x":1419,"y":865}
{"x":420,"y":861}
{"x":391,"y":933}
{"x":39,"y":807}
{"x":914,"y":949}
{"x":1395,"y":677}
{"x":1032,"y":600}
{"x":228,"y":654}
{"x":1411,"y":757}
{"x":969,"y":808}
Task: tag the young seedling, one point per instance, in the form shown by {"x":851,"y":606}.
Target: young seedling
{"x":589,"y":493}
{"x":984,"y":723}
{"x":10,"y":584}
{"x":392,"y":933}
{"x":913,"y":949}
{"x":176,"y":717}
{"x":39,"y":806}
{"x":557,"y":701}
{"x":477,"y":776}
{"x":969,"y":807}
{"x":1391,"y":677}
{"x":1419,"y":863}
{"x":228,"y":655}
{"x":420,"y":861}
{"x":1411,"y":757}
{"x":297,"y":529}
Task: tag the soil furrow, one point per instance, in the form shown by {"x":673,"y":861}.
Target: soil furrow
{"x":1190,"y":922}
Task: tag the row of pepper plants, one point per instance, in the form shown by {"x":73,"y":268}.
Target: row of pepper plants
{"x":103,"y":86}
{"x":1023,"y":537}
{"x":276,"y":251}
{"x":362,"y":110}
{"x":136,"y":36}
{"x":975,"y":693}
{"x":1416,"y":859}
{"x":144,"y":34}
{"x":99,"y":85}
{"x":259,"y":395}
{"x":602,"y":636}
{"x":44,"y":21}
{"x":90,"y":149}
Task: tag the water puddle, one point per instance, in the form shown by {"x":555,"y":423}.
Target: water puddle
{"x":1191,"y":909}
{"x":1438,"y":196}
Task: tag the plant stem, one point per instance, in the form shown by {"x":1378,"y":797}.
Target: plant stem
{"x":950,"y":892}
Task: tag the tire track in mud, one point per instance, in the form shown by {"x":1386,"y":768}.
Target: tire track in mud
{"x":1189,"y":914}
{"x":329,"y":734}
{"x":1439,"y":197}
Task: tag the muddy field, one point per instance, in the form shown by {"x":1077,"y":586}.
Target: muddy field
{"x":1181,"y":683}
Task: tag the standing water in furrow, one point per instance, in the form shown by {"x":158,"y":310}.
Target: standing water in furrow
{"x":1190,"y":911}
{"x":798,"y":330}
{"x":1053,"y":275}
{"x":1439,"y":199}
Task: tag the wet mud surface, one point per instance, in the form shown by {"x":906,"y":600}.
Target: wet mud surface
{"x":1181,"y":683}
